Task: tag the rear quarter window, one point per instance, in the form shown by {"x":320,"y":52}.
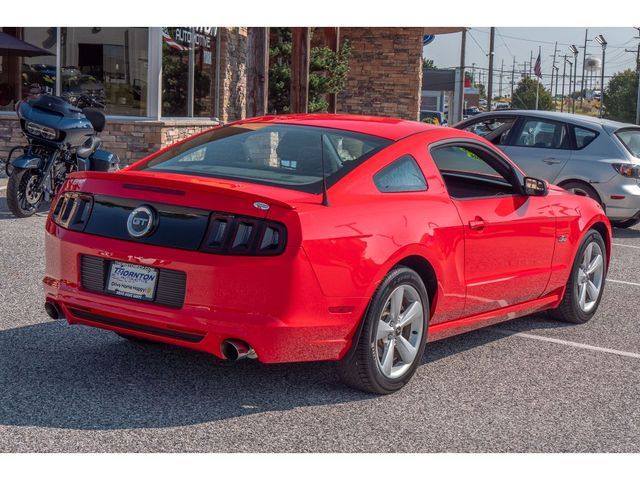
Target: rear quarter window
{"x":402,"y":175}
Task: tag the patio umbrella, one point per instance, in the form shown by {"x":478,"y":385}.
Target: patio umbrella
{"x":10,"y":45}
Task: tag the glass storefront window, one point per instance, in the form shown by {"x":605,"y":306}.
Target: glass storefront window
{"x":109,"y":65}
{"x":205,"y":73}
{"x":175,"y":72}
{"x":188,"y":76}
{"x":21,"y":76}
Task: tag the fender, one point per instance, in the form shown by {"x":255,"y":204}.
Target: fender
{"x":28,"y":161}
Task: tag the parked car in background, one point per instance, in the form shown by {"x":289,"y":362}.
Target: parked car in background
{"x":321,"y":237}
{"x":588,"y":156}
{"x":471,"y":111}
{"x":502,"y":106}
{"x":432,"y":116}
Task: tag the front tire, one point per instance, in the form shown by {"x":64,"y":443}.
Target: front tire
{"x":23,"y":198}
{"x":586,"y":283}
{"x":393,"y":335}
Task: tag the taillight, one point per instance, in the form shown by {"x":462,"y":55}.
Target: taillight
{"x":627,"y":169}
{"x":72,"y":210}
{"x":235,"y":235}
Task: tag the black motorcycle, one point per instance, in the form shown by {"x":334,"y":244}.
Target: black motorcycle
{"x":62,"y":139}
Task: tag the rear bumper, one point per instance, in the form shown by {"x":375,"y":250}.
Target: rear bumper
{"x":622,"y":200}
{"x":274,"y":304}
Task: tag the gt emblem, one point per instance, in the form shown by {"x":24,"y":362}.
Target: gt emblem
{"x":562,"y":238}
{"x":141,"y":221}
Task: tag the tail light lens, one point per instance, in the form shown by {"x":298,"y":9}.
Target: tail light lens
{"x":72,"y":210}
{"x":234,"y":235}
{"x":627,"y":169}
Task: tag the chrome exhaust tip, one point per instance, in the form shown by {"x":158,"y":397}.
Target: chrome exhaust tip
{"x":53,"y":311}
{"x":237,"y":350}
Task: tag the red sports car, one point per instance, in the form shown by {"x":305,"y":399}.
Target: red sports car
{"x":321,"y":237}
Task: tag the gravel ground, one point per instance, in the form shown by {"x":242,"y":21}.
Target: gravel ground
{"x":527,"y":385}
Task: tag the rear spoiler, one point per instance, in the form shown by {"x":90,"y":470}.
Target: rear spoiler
{"x":174,"y":184}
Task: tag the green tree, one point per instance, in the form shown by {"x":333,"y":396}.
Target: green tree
{"x":428,"y":64}
{"x":620,"y":97}
{"x":524,"y":96}
{"x":328,"y":72}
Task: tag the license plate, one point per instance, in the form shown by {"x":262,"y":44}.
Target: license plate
{"x":132,"y":281}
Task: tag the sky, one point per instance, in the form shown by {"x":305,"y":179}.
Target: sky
{"x":513,"y":42}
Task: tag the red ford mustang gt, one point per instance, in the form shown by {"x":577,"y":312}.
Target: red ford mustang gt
{"x":321,"y":237}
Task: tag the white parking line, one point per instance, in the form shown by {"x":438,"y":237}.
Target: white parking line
{"x":583,"y":346}
{"x":3,"y":188}
{"x":623,"y":282}
{"x":623,"y":245}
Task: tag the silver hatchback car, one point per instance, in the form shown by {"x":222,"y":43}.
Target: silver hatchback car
{"x":585,"y":155}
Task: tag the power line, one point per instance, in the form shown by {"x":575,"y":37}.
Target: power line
{"x":549,"y":42}
{"x":476,"y":42}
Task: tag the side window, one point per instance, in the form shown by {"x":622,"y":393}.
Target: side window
{"x":542,"y":134}
{"x":584,"y":136}
{"x":403,"y":175}
{"x":472,"y":173}
{"x":494,"y":130}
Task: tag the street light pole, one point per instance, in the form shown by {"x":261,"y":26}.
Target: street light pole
{"x":584,"y":60}
{"x":600,"y":39}
{"x":574,"y":50}
{"x":564,"y":72}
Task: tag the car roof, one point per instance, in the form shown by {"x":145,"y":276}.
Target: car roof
{"x":390,"y":128}
{"x":575,"y":119}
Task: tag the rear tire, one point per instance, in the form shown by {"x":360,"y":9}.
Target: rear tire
{"x":22,"y":199}
{"x":582,"y":189}
{"x":585,"y":286}
{"x":393,"y":336}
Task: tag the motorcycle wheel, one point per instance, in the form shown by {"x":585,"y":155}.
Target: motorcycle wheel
{"x":23,"y":199}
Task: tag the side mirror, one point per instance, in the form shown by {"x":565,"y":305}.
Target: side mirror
{"x":535,"y":187}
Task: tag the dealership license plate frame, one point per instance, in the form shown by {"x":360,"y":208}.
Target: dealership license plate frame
{"x":151,"y":285}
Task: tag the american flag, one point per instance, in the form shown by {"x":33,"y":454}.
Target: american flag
{"x":537,"y":68}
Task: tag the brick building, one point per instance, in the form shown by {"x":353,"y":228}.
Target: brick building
{"x":160,"y":85}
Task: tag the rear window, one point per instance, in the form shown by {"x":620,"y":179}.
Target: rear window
{"x":289,"y":156}
{"x":631,"y":140}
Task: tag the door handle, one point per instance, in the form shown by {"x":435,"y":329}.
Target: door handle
{"x":551,"y":160}
{"x":477,"y":223}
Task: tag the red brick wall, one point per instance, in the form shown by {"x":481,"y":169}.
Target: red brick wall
{"x":385,"y":72}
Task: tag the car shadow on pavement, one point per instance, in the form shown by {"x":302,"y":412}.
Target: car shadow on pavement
{"x":59,"y":376}
{"x":5,"y":214}
{"x":626,"y":233}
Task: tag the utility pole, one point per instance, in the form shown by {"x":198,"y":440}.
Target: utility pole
{"x":501,"y":74}
{"x":492,"y":40}
{"x":584,"y":61}
{"x":473,"y":74}
{"x":564,"y":72}
{"x":530,"y":63}
{"x":513,"y":79}
{"x":555,"y":102}
{"x":463,"y":48}
{"x":553,"y":65}
{"x":638,"y":70}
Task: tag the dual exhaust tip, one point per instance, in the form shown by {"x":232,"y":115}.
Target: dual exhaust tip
{"x":231,"y":349}
{"x":53,"y":311}
{"x":237,"y":350}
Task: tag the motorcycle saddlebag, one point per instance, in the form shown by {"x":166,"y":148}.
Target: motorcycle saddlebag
{"x":104,"y":161}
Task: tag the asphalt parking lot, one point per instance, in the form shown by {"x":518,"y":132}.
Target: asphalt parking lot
{"x":527,"y":385}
